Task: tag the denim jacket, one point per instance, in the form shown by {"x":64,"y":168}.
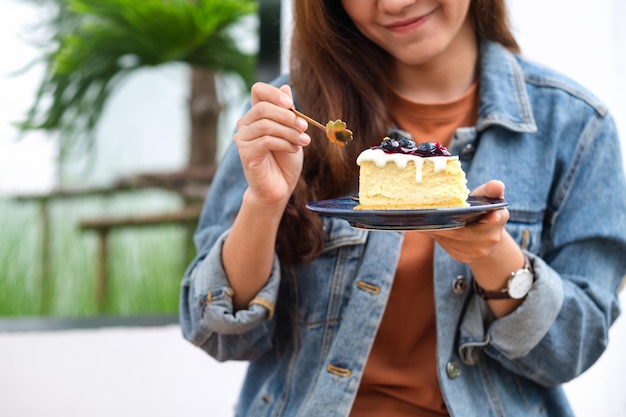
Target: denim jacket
{"x":308,"y":332}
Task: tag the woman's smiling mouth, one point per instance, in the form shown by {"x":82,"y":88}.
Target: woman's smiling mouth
{"x":407,"y":25}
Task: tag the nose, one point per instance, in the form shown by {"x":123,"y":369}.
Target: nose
{"x":394,"y":6}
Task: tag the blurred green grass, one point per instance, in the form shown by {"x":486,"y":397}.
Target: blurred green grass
{"x":145,"y":264}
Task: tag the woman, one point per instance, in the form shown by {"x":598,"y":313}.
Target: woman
{"x":337,"y":321}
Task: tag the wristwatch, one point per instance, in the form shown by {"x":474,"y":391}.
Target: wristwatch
{"x":519,"y":284}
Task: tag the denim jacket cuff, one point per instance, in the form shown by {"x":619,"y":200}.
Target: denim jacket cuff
{"x":517,"y":333}
{"x":213,"y":294}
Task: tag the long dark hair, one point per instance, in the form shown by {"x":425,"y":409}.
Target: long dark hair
{"x":328,"y":58}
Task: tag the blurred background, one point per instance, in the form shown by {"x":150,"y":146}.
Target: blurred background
{"x":113,"y":116}
{"x":100,"y":187}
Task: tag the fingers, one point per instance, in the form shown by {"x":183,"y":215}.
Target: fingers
{"x":270,"y":123}
{"x":269,"y":128}
{"x":474,"y":240}
{"x":496,"y":218}
{"x":492,"y":189}
{"x":265,"y":92}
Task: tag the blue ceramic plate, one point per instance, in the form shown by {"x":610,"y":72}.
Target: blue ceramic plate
{"x":428,"y":219}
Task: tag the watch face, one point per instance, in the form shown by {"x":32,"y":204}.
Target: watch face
{"x":520,"y":283}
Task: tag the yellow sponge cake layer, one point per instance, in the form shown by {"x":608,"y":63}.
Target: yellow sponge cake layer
{"x":399,"y":181}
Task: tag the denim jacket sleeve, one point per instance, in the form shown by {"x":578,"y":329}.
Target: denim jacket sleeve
{"x":207,"y":315}
{"x":562,"y":327}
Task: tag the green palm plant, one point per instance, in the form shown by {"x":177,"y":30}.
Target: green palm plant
{"x":94,"y":44}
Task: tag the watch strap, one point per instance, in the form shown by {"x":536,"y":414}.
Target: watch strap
{"x":502,"y":293}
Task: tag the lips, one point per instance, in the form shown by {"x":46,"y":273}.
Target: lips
{"x":408,"y":24}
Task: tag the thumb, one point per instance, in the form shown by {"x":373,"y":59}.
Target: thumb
{"x":490,"y":189}
{"x":287,"y":90}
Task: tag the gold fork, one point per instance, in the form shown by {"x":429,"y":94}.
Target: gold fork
{"x":336,"y":131}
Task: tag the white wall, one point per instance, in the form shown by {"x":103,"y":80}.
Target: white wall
{"x":113,"y":372}
{"x":28,"y":164}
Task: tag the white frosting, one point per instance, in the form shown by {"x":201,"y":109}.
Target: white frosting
{"x":381,"y":158}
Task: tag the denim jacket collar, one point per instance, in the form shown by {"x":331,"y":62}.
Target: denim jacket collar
{"x":504,"y":99}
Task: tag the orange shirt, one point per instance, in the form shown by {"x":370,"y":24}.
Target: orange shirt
{"x":400,"y":377}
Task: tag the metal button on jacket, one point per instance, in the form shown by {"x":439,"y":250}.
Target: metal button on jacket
{"x":453,"y":369}
{"x":467,"y":152}
{"x":459,"y":285}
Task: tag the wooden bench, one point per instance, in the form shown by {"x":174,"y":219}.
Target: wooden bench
{"x":186,"y":216}
{"x":191,"y":184}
